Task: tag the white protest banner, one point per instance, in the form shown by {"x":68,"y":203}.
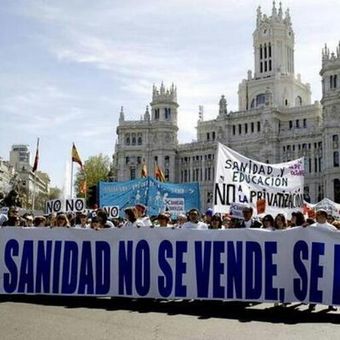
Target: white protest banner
{"x":236,"y":210}
{"x":68,"y":205}
{"x":112,"y":211}
{"x":297,"y":264}
{"x":239,"y":179}
{"x":55,"y":206}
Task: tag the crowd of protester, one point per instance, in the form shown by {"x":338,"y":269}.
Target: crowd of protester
{"x":136,"y":217}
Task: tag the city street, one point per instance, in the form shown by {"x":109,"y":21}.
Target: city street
{"x":41,"y":317}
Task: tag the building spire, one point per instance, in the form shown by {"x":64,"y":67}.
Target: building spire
{"x":259,"y":16}
{"x":121,"y":115}
{"x":280,"y":10}
{"x":147,"y":113}
{"x":201,"y":113}
{"x":274,"y":11}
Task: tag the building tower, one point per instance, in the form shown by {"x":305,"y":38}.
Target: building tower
{"x":330,"y":73}
{"x":273,"y":42}
{"x":163,"y":146}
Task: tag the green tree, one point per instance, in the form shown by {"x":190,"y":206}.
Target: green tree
{"x":95,"y":169}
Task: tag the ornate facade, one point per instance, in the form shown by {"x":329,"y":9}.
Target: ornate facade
{"x":276,"y":121}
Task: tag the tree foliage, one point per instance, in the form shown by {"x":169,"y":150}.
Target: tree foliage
{"x":95,"y":169}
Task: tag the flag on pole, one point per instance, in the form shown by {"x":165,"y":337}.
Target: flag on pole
{"x":36,"y":159}
{"x":159,"y":175}
{"x":75,"y":156}
{"x":144,"y":172}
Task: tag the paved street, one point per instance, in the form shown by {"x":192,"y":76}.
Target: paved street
{"x":39,"y":317}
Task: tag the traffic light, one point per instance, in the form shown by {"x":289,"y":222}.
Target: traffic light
{"x":92,"y":196}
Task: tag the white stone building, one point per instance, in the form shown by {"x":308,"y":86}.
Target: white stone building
{"x":276,"y":121}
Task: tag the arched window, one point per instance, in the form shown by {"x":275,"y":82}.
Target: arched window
{"x":298,"y":101}
{"x":261,"y":53}
{"x":167,"y":113}
{"x":331,"y":82}
{"x":139,"y":139}
{"x":133,"y":139}
{"x":127,"y":139}
{"x":260,"y":99}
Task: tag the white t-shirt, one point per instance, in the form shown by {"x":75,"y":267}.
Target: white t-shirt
{"x":146,"y":221}
{"x":191,"y":225}
{"x":326,"y":226}
{"x":80,"y":226}
{"x":131,"y":225}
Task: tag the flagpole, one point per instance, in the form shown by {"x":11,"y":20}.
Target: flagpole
{"x":33,"y":198}
{"x":71,"y":191}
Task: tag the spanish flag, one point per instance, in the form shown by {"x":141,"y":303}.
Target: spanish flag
{"x":159,"y":175}
{"x":144,"y":172}
{"x":36,"y":159}
{"x":75,"y":156}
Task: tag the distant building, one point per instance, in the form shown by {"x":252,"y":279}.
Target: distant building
{"x":276,"y":121}
{"x":6,"y":173}
{"x":24,"y":178}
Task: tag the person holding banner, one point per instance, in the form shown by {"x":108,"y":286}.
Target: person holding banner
{"x":62,"y":221}
{"x":248,"y":221}
{"x":82,"y":221}
{"x":194,"y":222}
{"x":321,"y":221}
{"x":163,"y":220}
{"x":216,"y":222}
{"x":140,"y":211}
{"x":132,"y":221}
{"x":280,"y":222}
{"x":268,"y":222}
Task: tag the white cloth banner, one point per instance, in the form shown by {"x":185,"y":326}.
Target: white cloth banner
{"x":242,"y":180}
{"x":299,"y":264}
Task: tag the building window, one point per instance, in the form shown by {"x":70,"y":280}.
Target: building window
{"x":127,"y":160}
{"x":213,"y":135}
{"x":335,"y":78}
{"x":336,"y":159}
{"x":290,"y":124}
{"x":167,"y":112}
{"x":258,"y":126}
{"x":167,"y":174}
{"x":133,"y":139}
{"x":286,"y":102}
{"x":335,"y":141}
{"x":167,"y":161}
{"x":260,"y":99}
{"x":127,"y":139}
{"x":234,"y":130}
{"x":297,"y":123}
{"x":156,"y":114}
{"x":252,"y":126}
{"x":133,"y":173}
{"x":208,"y":135}
{"x":261,"y":53}
{"x":245,"y":128}
{"x":239,"y":128}
{"x":139,"y":160}
{"x":337,"y":190}
{"x":331,"y":82}
{"x":261,"y":67}
{"x":304,"y":122}
{"x":298,"y":101}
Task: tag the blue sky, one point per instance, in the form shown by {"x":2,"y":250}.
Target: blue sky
{"x":67,"y":66}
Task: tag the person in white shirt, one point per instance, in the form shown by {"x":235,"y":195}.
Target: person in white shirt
{"x":83,"y":223}
{"x":132,"y":222}
{"x":321,"y":221}
{"x":140,"y":212}
{"x":194,"y":222}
